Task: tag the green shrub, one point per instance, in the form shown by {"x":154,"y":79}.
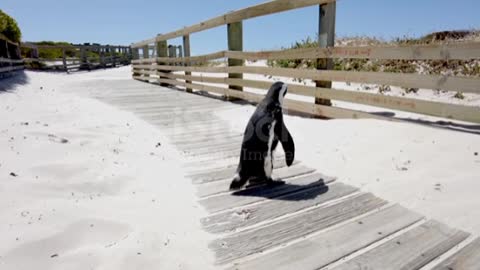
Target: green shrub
{"x":9,"y":27}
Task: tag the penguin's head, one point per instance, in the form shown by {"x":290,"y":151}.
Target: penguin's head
{"x":277,"y":92}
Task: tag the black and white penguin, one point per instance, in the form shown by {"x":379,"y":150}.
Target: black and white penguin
{"x":264,"y":129}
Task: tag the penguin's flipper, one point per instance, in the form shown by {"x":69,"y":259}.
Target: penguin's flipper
{"x":287,"y":143}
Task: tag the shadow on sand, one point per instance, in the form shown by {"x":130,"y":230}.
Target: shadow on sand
{"x":286,"y":192}
{"x":10,"y":83}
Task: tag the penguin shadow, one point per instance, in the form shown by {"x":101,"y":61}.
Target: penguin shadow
{"x":286,"y":192}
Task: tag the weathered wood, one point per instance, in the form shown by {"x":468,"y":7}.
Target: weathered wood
{"x":64,"y":60}
{"x":445,"y":110}
{"x":221,"y":186}
{"x":186,"y":54}
{"x":445,"y":52}
{"x":235,"y":43}
{"x":13,"y":68}
{"x":411,"y":250}
{"x":83,"y":57}
{"x":322,"y":249}
{"x":444,"y":82}
{"x":468,"y":258}
{"x":297,"y":169}
{"x":13,"y":61}
{"x":145,"y":51}
{"x":257,"y":194}
{"x":187,"y":60}
{"x":299,"y":106}
{"x":256,"y":240}
{"x":326,"y":38}
{"x":451,"y":51}
{"x":114,"y":56}
{"x":250,"y":215}
{"x":162,"y":53}
{"x":236,"y":16}
{"x":135,"y":54}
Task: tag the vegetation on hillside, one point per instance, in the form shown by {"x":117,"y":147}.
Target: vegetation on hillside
{"x":453,"y":67}
{"x":9,"y":27}
{"x":56,"y":53}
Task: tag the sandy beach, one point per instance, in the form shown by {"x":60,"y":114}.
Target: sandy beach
{"x":84,"y":185}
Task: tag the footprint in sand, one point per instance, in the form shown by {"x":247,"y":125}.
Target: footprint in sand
{"x":56,"y":139}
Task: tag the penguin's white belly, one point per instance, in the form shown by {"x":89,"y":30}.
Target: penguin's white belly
{"x":268,"y":165}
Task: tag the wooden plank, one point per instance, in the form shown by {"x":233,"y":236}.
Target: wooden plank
{"x":445,"y":52}
{"x":12,"y":68}
{"x":275,"y":207}
{"x":226,"y":173}
{"x":12,"y":61}
{"x":444,"y":82}
{"x":236,"y":16}
{"x":206,"y":135}
{"x":221,"y":186}
{"x":444,"y":110}
{"x":257,"y":194}
{"x":322,"y":249}
{"x":411,"y":250}
{"x":468,"y":258}
{"x":188,"y":60}
{"x":213,"y":149}
{"x":256,"y":240}
{"x":299,"y":106}
{"x":298,"y":169}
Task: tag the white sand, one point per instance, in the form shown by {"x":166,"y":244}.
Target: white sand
{"x":430,"y":170}
{"x":106,"y":199}
{"x":102,"y":198}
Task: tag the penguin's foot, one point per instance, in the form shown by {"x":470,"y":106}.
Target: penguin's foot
{"x":237,"y":183}
{"x":271,"y":182}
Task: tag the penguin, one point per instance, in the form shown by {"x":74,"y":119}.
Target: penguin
{"x":262,"y":134}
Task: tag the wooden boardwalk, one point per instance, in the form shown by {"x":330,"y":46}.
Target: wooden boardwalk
{"x":311,"y":222}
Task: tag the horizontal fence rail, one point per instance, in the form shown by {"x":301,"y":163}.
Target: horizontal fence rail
{"x":10,"y":61}
{"x":236,"y":16}
{"x":203,"y":72}
{"x":85,"y":57}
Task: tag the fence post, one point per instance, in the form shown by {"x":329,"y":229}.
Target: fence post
{"x":326,"y":38}
{"x":235,"y":43}
{"x":186,"y":53}
{"x":135,"y":54}
{"x":162,"y":51}
{"x":113,"y":53}
{"x":34,"y":52}
{"x":145,"y":52}
{"x":145,"y":55}
{"x":64,"y":59}
{"x":8,"y":56}
{"x":101,"y":52}
{"x":83,"y":58}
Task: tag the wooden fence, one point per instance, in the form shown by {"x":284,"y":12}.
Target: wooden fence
{"x":10,"y":60}
{"x":168,"y":69}
{"x":77,"y":57}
